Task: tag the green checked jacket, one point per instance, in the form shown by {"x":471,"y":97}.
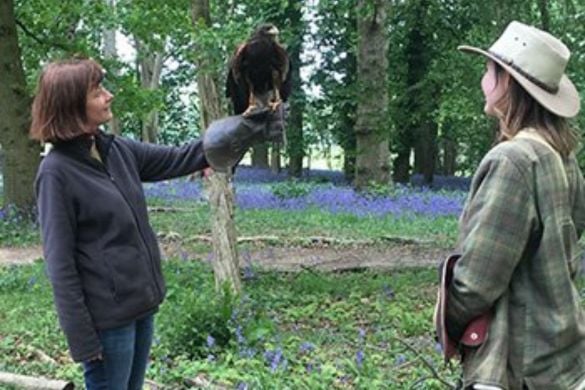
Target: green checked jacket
{"x":520,"y":258}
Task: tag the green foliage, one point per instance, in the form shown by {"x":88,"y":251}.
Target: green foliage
{"x":195,"y":312}
{"x":291,"y":189}
{"x":18,"y":228}
{"x":441,"y":230}
{"x":380,"y":190}
{"x":429,"y":81}
{"x":309,"y":332}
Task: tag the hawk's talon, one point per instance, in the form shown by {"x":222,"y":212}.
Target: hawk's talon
{"x":249,"y":110}
{"x":274,"y":105}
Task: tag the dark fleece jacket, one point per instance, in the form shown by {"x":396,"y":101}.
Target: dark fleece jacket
{"x":102,"y":255}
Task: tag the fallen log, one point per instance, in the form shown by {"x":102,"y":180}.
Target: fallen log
{"x":34,"y":383}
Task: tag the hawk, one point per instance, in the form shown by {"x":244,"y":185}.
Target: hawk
{"x":259,"y":72}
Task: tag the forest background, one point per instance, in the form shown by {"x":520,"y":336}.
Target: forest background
{"x":413,"y":107}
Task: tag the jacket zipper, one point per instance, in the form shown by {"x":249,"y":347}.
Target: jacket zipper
{"x":152,"y":270}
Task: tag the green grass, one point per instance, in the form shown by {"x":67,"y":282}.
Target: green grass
{"x":312,"y":319}
{"x":441,"y":231}
{"x":279,"y":312}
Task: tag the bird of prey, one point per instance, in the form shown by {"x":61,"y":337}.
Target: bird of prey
{"x":259,"y":73}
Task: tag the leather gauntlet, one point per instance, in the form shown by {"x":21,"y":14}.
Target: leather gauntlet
{"x":227,"y":140}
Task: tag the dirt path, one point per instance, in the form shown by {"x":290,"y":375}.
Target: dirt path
{"x":25,"y":255}
{"x":328,"y":258}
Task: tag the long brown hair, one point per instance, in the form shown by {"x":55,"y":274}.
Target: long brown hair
{"x":59,"y":107}
{"x":519,"y":110}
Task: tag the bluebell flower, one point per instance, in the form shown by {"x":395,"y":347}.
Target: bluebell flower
{"x":273,"y":358}
{"x":247,"y":352}
{"x":240,"y":336}
{"x":306,"y":347}
{"x":210,"y":341}
{"x":242,"y":386}
{"x":388,"y":292}
{"x":359,"y":358}
{"x":399,"y":360}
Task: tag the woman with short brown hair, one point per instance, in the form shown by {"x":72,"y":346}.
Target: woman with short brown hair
{"x":102,"y":255}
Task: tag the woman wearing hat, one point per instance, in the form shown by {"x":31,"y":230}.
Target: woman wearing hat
{"x":519,"y":229}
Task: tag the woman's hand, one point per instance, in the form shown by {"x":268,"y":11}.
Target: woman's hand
{"x":96,"y":358}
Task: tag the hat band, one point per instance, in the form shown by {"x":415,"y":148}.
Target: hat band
{"x":531,"y":78}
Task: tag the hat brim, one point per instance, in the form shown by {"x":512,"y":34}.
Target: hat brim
{"x":565,"y":102}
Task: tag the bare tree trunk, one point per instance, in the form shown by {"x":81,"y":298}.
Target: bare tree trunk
{"x":21,"y":155}
{"x":373,"y":154}
{"x":275,"y":158}
{"x":221,"y":195}
{"x":425,"y":151}
{"x":294,"y":131}
{"x":449,"y":157}
{"x":260,"y":156}
{"x":150,"y":65}
{"x":111,"y":52}
{"x":544,"y":14}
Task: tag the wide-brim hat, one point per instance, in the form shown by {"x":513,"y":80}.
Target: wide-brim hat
{"x":537,"y":61}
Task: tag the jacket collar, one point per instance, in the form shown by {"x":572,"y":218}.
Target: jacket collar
{"x":79,"y":147}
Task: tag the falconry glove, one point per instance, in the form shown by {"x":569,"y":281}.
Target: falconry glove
{"x":227,"y":140}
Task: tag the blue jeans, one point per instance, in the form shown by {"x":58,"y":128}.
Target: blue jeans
{"x":125,"y":357}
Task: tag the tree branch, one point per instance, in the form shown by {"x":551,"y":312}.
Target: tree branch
{"x":39,"y":40}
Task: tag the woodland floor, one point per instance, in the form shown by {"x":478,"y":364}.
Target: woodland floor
{"x":286,"y":258}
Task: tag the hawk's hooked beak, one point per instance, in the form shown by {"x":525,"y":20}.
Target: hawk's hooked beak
{"x":274,"y":31}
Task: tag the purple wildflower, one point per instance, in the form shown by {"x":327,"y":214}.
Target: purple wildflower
{"x":388,"y":292}
{"x":359,"y":358}
{"x":247,"y":352}
{"x":306,"y":347}
{"x":274,"y":359}
{"x":242,"y":386}
{"x":210,"y":341}
{"x":240,"y":335}
{"x":400,"y":359}
{"x":361,"y":334}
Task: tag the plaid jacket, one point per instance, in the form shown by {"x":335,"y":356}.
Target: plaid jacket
{"x":518,"y":239}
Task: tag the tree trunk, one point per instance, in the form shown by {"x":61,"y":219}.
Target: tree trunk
{"x":260,"y":156}
{"x":544,"y":15}
{"x":150,"y":65}
{"x":401,"y":167}
{"x":111,"y":53}
{"x":449,"y":157}
{"x":221,"y":196}
{"x":373,"y":155}
{"x":294,"y":130}
{"x":275,"y":158}
{"x":425,"y":151}
{"x":349,"y":165}
{"x":21,"y":155}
